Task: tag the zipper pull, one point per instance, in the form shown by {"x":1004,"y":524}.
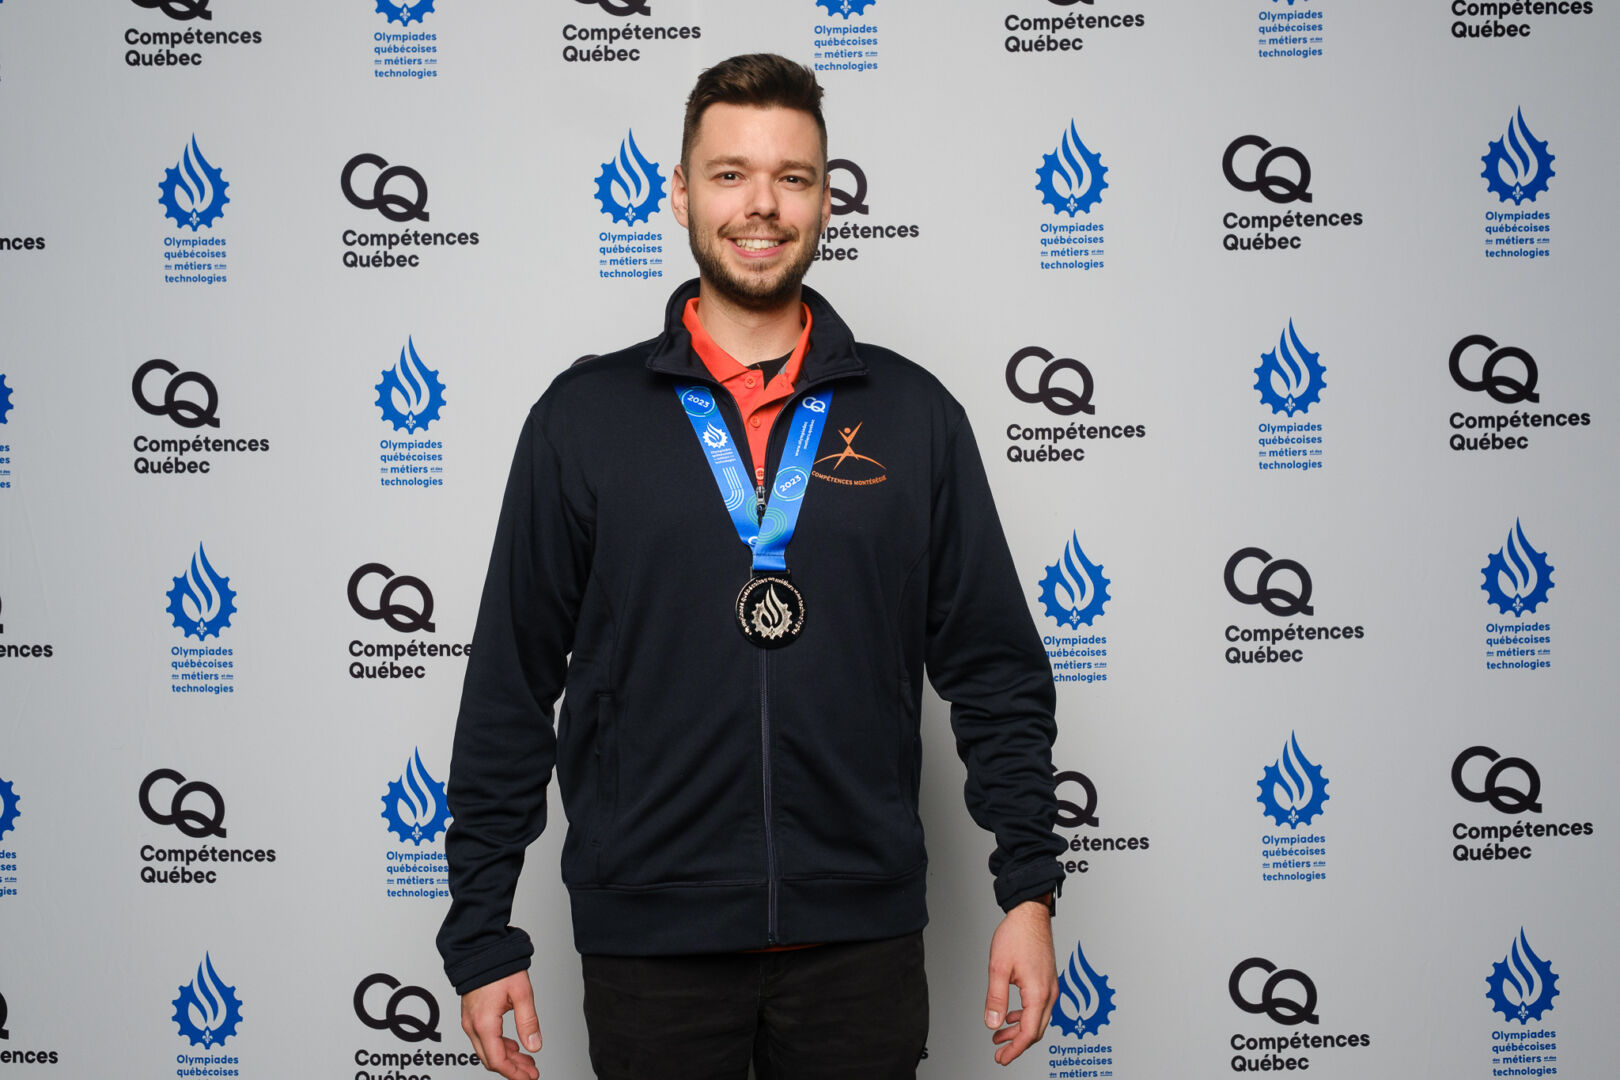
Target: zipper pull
{"x":759,"y":501}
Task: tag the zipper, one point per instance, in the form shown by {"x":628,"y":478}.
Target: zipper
{"x":771,"y":937}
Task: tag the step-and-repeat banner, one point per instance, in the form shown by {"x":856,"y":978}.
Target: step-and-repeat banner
{"x":1285,"y":330}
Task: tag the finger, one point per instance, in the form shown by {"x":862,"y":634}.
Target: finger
{"x":1028,"y":1030}
{"x":528,"y":1024}
{"x":497,"y":1057}
{"x":521,"y":1064}
{"x":995,"y":1001}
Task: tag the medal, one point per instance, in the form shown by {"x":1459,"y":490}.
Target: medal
{"x":770,"y":611}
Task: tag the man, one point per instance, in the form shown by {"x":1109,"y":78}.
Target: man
{"x":739,"y":768}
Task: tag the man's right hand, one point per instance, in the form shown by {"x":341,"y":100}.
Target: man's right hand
{"x":482,"y":1013}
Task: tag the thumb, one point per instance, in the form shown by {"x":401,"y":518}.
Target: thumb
{"x":528,"y":1024}
{"x":995,"y":1002}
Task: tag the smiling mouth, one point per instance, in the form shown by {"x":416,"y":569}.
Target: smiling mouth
{"x":757,"y":243}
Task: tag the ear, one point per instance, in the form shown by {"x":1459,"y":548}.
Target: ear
{"x":678,"y":195}
{"x":826,"y":196}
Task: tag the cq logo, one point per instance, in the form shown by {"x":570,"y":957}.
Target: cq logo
{"x":188,"y":821}
{"x":844,"y":202}
{"x":391,"y":206}
{"x":621,"y":7}
{"x":1509,"y":800}
{"x":4,"y":1034}
{"x":1275,"y":600}
{"x":404,"y":619}
{"x":405,"y":1026}
{"x":1279,"y":189}
{"x":1281,"y":1009}
{"x":180,"y":9}
{"x":183,"y":411}
{"x":1058,"y":399}
{"x":1503,"y":388}
{"x":1070,"y":3}
{"x":1072,"y":815}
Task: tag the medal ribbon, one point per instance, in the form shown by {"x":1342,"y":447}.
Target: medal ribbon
{"x":767,"y":537}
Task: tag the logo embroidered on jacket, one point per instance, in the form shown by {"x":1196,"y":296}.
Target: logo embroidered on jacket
{"x":858,"y":475}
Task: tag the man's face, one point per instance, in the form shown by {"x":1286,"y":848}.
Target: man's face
{"x":753,"y":199}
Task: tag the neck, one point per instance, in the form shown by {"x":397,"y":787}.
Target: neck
{"x":749,"y":335}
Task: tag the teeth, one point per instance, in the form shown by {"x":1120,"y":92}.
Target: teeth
{"x":749,"y":244}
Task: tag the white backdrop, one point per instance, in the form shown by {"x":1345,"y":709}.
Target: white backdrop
{"x":974,"y":151}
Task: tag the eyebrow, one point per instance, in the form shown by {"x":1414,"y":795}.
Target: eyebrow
{"x":791,"y":164}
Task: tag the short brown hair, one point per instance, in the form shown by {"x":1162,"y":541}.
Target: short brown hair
{"x":759,"y":79}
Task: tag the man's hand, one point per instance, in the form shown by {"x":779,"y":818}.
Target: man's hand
{"x":482,"y":1011}
{"x":1021,"y":955}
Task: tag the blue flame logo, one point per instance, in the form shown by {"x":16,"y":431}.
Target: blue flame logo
{"x":193,"y":192}
{"x":207,"y":1011}
{"x":1289,"y":377}
{"x":1518,"y":165}
{"x":1518,"y":577}
{"x":410,"y":394}
{"x":5,"y":399}
{"x":415,"y":807}
{"x":1522,"y":985}
{"x":1070,"y":178}
{"x":630,"y":187}
{"x":406,"y":12}
{"x":8,"y":807}
{"x":1293,"y":789}
{"x":846,"y":8}
{"x":201,"y":602}
{"x":1085,"y":1000}
{"x":1074,"y":591}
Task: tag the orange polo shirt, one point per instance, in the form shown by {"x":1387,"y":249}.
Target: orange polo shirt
{"x":758,"y":400}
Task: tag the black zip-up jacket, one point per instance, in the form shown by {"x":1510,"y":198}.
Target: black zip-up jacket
{"x":722,"y":797}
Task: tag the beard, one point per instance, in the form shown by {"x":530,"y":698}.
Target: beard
{"x":762,"y":290}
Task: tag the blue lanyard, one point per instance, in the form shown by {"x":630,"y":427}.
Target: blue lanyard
{"x":768,"y":535}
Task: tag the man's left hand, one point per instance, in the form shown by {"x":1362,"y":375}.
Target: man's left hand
{"x":1021,"y":956}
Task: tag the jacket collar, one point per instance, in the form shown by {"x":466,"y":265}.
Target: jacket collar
{"x":832,"y":353}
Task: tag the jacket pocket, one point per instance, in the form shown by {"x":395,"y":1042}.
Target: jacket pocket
{"x":605,"y":808}
{"x":910,"y":748}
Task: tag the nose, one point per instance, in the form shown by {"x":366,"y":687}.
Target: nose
{"x":762,"y":197}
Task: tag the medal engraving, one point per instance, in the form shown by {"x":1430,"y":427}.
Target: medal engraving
{"x":770,"y":612}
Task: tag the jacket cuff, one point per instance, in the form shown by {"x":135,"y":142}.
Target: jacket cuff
{"x":1029,"y":882}
{"x":510,"y":954}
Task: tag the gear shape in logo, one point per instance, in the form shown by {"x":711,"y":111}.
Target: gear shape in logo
{"x":398,"y":797}
{"x":1273,"y":779}
{"x":846,"y":8}
{"x":174,"y":182}
{"x":427,"y":396}
{"x":1532,"y":151}
{"x":201,"y":629}
{"x":224,"y":1001}
{"x":8,"y":807}
{"x":1297,"y":368}
{"x":1072,"y":984}
{"x":404,"y":12}
{"x":642,"y":209}
{"x":1052,"y":166}
{"x":5,"y":399}
{"x":1502,"y":976}
{"x":1056,"y":609}
{"x":1497,"y":570}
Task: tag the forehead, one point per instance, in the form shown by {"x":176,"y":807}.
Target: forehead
{"x":761,"y":134}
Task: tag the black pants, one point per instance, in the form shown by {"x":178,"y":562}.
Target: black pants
{"x":852,"y":1011}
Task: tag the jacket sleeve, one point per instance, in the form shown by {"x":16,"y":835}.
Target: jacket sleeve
{"x":505,"y":743}
{"x":986,"y":658}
